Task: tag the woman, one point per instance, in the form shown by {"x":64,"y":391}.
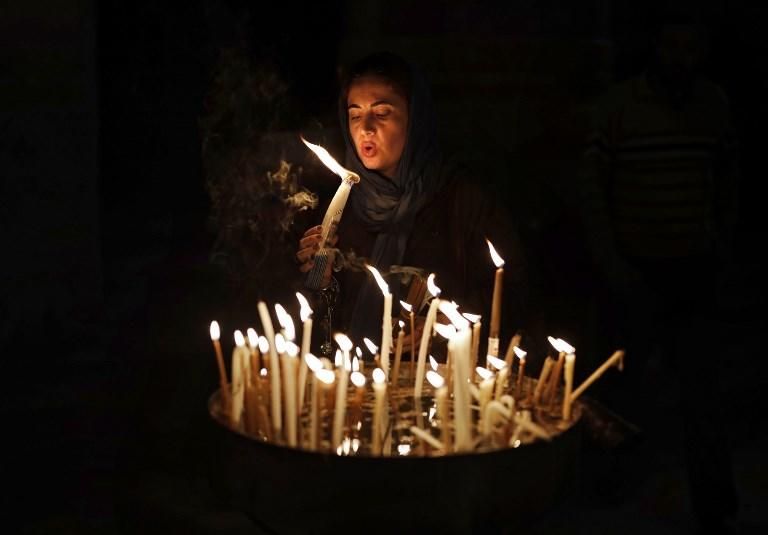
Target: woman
{"x":413,"y":207}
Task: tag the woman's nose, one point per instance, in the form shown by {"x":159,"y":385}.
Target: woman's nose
{"x":368,"y":123}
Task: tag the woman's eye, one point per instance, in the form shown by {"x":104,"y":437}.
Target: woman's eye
{"x":382,"y":114}
{"x":354,"y":117}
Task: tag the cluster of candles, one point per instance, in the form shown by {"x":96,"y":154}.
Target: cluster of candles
{"x":282,"y":393}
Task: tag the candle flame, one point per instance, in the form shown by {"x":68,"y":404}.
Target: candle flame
{"x":403,"y":449}
{"x":355,"y":364}
{"x":379,"y":279}
{"x":435,"y":379}
{"x":406,"y":306}
{"x":359,"y":352}
{"x":286,"y":322}
{"x":446,"y":331}
{"x":215,"y":330}
{"x":496,"y":362}
{"x":337,"y":359}
{"x":344,"y":342}
{"x":431,"y":286}
{"x":370,"y":345}
{"x":433,"y":362}
{"x":239,"y":338}
{"x":313,"y":363}
{"x":279,"y":343}
{"x":326,"y":376}
{"x":473,"y":318}
{"x":306,"y":311}
{"x":401,"y":323}
{"x":291,"y":349}
{"x":253,"y":338}
{"x":497,"y":260}
{"x":519,"y":352}
{"x":561,"y":345}
{"x":263,"y":372}
{"x":485,"y":373}
{"x":358,"y":379}
{"x":327,"y":159}
{"x":451,"y":310}
{"x":379,"y":376}
{"x":263,"y":344}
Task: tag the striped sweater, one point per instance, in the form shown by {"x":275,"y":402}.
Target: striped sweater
{"x":659,"y":180}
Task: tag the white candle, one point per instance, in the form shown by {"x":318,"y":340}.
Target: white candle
{"x":441,"y":400}
{"x":324,"y":385}
{"x":475,"y":343}
{"x":425,"y":336}
{"x":226,"y":396}
{"x":570,"y":360}
{"x":274,"y":369}
{"x":408,"y":308}
{"x":486,"y":388}
{"x":238,"y":379}
{"x":290,"y":363}
{"x":493,"y":333}
{"x":459,"y":351}
{"x":398,"y":353}
{"x":379,"y":391}
{"x":341,"y":390}
{"x":386,"y":320}
{"x":501,"y":380}
{"x":315,"y":366}
{"x":286,"y":323}
{"x":520,"y":372}
{"x":306,"y":337}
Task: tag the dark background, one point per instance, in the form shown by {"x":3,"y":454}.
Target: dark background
{"x":107,"y":285}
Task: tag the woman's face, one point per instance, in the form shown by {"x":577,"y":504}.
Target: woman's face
{"x":378,"y":123}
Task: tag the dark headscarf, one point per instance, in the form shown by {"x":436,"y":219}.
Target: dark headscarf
{"x":389,"y":206}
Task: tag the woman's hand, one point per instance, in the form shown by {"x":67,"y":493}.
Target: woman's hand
{"x":309,"y":244}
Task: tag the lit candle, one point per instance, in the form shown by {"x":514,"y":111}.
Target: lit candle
{"x":314,"y":365}
{"x":289,"y":363}
{"x":264,"y":388}
{"x":379,"y":391}
{"x":562,"y":347}
{"x":274,"y":369}
{"x":326,"y":380}
{"x":545,"y":369}
{"x":617,"y":359}
{"x":426,"y":335}
{"x":238,"y":379}
{"x":372,"y":348}
{"x":515,"y":342}
{"x":501,"y":380}
{"x":386,"y":322}
{"x":520,"y":372}
{"x":306,"y":337}
{"x":486,"y":388}
{"x":285,"y":320}
{"x":398,"y":353}
{"x":570,"y":360}
{"x":441,"y":400}
{"x":226,"y":399}
{"x":358,"y":380}
{"x":474,"y":319}
{"x":408,"y":308}
{"x":341,"y":389}
{"x":459,"y":349}
{"x":253,"y":343}
{"x":493,"y":334}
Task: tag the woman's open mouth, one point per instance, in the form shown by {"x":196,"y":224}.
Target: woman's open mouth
{"x":368,"y":149}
